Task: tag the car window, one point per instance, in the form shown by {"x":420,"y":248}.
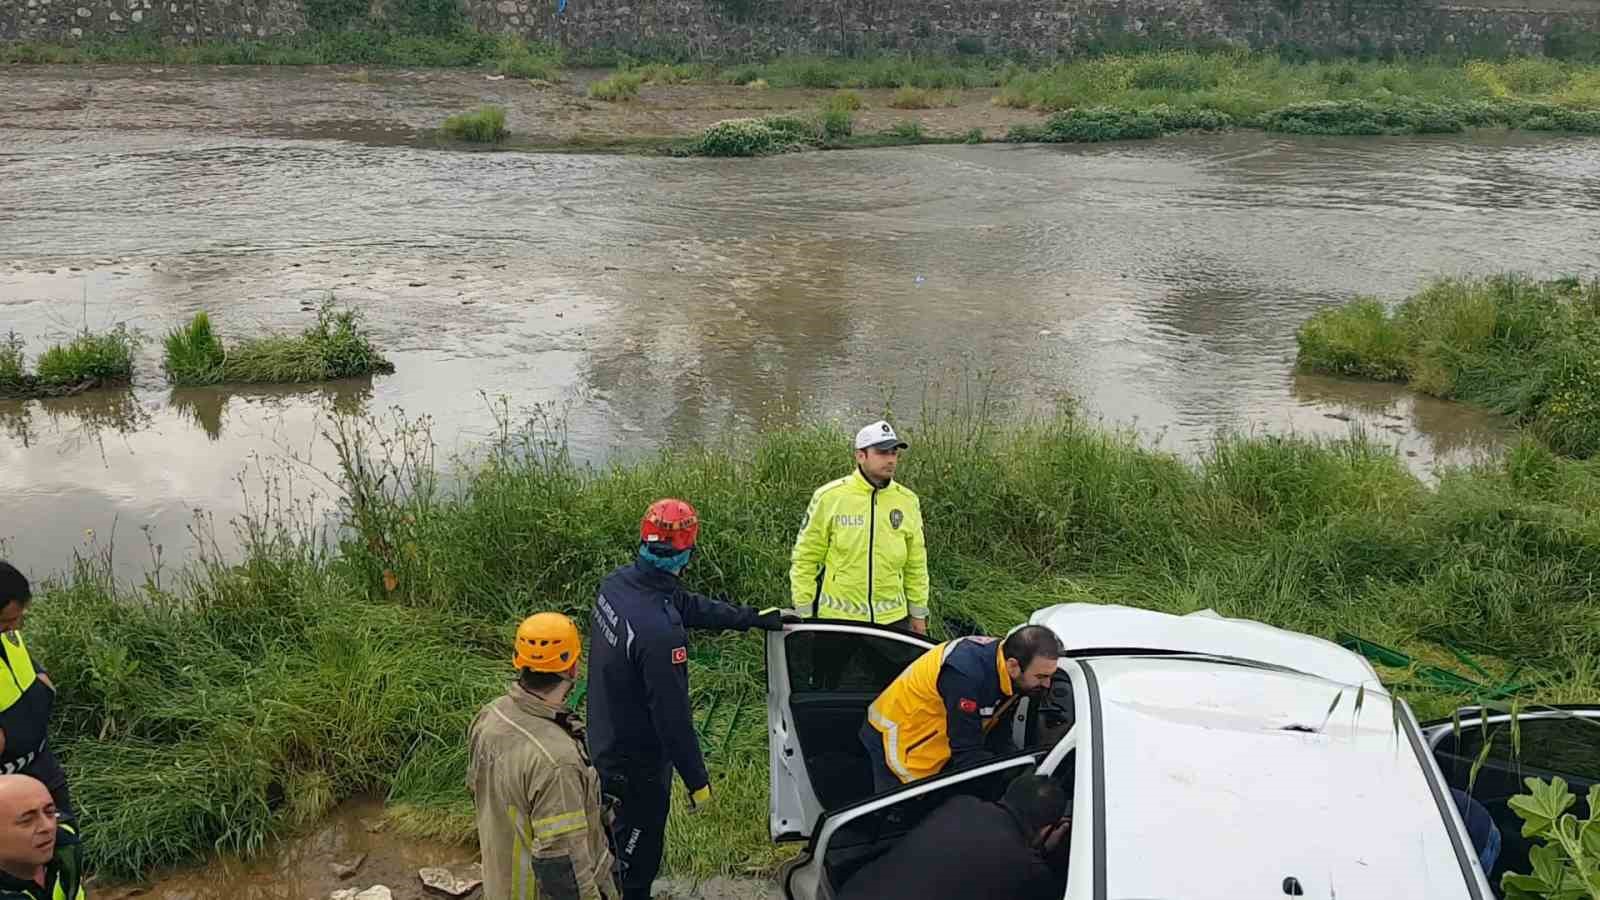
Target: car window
{"x":845,"y":661}
{"x":1051,"y":716}
{"x":1569,"y":746}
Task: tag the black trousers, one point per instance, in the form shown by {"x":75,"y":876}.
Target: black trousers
{"x":47,"y":769}
{"x":644,"y":792}
{"x":883,"y":780}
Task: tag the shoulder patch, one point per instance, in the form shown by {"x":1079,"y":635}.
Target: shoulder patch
{"x":680,"y":655}
{"x":968,"y":706}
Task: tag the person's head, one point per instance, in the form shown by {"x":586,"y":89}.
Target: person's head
{"x":667,"y":534}
{"x":1039,"y":803}
{"x":1031,"y":654}
{"x":15,"y":595}
{"x":548,"y":648}
{"x":27,"y":823}
{"x":878,"y":452}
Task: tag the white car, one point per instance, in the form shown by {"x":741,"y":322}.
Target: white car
{"x":1206,"y":758}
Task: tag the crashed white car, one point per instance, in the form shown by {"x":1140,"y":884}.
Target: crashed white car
{"x":1206,"y":758}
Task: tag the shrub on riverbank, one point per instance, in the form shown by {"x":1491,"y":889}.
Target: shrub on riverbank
{"x":89,"y":358}
{"x":1522,"y":347}
{"x":337,"y":346}
{"x":206,"y":708}
{"x":1077,"y":126}
{"x":621,"y":86}
{"x":484,"y":125}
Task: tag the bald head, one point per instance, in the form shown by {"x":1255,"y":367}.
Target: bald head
{"x":27,"y":823}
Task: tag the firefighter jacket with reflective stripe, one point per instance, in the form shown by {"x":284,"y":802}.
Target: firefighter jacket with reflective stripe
{"x":860,"y":554}
{"x":540,"y":826}
{"x":942,"y":707}
{"x":25,"y":705}
{"x":63,"y":875}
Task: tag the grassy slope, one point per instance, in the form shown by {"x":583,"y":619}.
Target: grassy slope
{"x":237,"y":700}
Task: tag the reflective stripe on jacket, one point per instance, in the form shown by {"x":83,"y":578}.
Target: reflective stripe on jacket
{"x":860,"y":554}
{"x":25,"y":704}
{"x":942,"y":707}
{"x":540,"y":826}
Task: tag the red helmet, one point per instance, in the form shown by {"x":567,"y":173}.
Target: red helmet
{"x":672,"y":522}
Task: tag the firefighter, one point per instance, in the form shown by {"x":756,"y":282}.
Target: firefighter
{"x":640,"y":726}
{"x":860,"y":555}
{"x":940,"y":711}
{"x":537,"y":797}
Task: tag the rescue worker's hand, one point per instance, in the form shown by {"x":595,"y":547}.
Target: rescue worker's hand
{"x":774,"y":619}
{"x":1056,"y":835}
{"x":699,"y":800}
{"x":920,"y":626}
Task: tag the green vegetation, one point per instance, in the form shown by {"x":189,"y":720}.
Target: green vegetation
{"x":194,"y":354}
{"x":1109,"y":124}
{"x":1264,"y":91}
{"x":1523,"y":347}
{"x":13,"y":366}
{"x":848,"y":101}
{"x":484,"y":125}
{"x":207,"y":708}
{"x":369,"y":45}
{"x":1566,"y":859}
{"x":974,"y":136}
{"x":871,"y":72}
{"x":921,"y":98}
{"x":337,"y":346}
{"x":89,"y":359}
{"x":908,"y":130}
{"x":621,"y":86}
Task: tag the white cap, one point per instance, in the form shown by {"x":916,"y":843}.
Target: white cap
{"x":879,"y":434}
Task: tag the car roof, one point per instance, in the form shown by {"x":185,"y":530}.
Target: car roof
{"x":1222,"y":781}
{"x":1086,"y":627}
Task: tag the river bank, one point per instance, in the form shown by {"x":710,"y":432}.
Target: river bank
{"x":218,"y":703}
{"x":665,"y":108}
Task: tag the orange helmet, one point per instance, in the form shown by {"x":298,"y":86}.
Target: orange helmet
{"x":547,"y":642}
{"x":672,"y":522}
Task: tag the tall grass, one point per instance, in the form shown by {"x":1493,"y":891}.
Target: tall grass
{"x":14,"y":377}
{"x":88,"y":357}
{"x":196,"y":709}
{"x":619,"y":87}
{"x":336,"y":346}
{"x":1519,"y":346}
{"x":484,"y":125}
{"x":1349,"y":97}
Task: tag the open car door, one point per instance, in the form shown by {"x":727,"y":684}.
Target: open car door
{"x":821,"y":676}
{"x":1546,"y":742}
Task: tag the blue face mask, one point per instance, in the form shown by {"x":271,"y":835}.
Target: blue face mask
{"x":673,"y":563}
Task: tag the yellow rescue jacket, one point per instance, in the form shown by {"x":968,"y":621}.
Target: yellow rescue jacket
{"x":860,"y":554}
{"x":942,"y":707}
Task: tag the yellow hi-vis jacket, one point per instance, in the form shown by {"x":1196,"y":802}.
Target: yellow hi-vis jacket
{"x":540,"y":826}
{"x":860,"y":554}
{"x":940,"y":710}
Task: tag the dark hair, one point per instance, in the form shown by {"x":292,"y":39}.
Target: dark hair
{"x":1029,"y":643}
{"x":1036,"y":801}
{"x":13,"y":586}
{"x":539,"y":681}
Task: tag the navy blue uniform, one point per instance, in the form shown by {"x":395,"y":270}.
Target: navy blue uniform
{"x":639,"y":720}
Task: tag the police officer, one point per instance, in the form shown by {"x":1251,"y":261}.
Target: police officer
{"x":26,"y":698}
{"x":860,"y":555}
{"x":640,"y":725}
{"x":942,"y":708}
{"x":540,"y":825}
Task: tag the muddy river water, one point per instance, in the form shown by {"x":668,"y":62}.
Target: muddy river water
{"x":652,"y":299}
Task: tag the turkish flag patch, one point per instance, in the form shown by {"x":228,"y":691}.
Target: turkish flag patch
{"x":680,"y":655}
{"x":968,"y":706}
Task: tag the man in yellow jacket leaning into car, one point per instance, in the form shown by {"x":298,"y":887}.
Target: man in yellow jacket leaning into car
{"x":860,"y":555}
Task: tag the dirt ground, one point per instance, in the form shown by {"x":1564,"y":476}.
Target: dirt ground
{"x":404,"y":106}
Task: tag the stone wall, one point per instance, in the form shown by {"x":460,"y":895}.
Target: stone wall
{"x":743,"y":27}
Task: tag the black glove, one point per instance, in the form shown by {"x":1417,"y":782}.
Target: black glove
{"x":775,"y":619}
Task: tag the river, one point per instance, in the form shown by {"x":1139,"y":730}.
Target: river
{"x":649,"y":300}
